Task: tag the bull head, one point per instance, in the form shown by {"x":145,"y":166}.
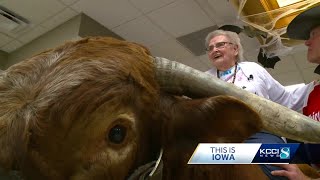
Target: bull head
{"x":93,"y":109}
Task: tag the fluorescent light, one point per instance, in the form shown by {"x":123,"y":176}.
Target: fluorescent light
{"x":283,"y":3}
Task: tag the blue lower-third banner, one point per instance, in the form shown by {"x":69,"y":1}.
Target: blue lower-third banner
{"x":243,"y":153}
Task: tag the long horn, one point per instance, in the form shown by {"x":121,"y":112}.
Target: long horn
{"x":180,"y":79}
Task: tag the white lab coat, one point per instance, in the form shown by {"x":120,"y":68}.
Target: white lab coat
{"x":256,"y":79}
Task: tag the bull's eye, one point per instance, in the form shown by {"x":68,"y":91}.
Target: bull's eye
{"x":117,"y":134}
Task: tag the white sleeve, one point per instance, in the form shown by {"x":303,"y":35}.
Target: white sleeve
{"x":293,"y":99}
{"x":300,"y":96}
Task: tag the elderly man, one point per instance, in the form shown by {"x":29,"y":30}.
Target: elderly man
{"x":306,"y":26}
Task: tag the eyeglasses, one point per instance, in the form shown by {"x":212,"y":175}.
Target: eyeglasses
{"x":219,"y":45}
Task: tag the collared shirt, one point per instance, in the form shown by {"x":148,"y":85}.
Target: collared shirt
{"x":254,"y":78}
{"x":312,"y":102}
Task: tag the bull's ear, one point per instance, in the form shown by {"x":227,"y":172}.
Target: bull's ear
{"x":215,"y":119}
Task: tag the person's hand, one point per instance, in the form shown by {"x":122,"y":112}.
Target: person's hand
{"x":291,"y":171}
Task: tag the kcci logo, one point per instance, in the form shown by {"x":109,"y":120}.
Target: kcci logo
{"x":285,"y":153}
{"x":282,"y":153}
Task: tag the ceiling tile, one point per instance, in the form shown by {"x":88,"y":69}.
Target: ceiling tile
{"x":286,"y":64}
{"x":195,"y":41}
{"x":224,"y":11}
{"x":4,"y":39}
{"x":177,"y":19}
{"x":149,"y":5}
{"x":20,"y":32}
{"x":69,"y":2}
{"x":220,"y":12}
{"x":309,"y":75}
{"x":11,"y":46}
{"x":195,"y":63}
{"x":141,"y":30}
{"x":170,"y":49}
{"x":34,"y":10}
{"x":32,"y":34}
{"x":289,"y":78}
{"x":60,"y":18}
{"x":110,"y":13}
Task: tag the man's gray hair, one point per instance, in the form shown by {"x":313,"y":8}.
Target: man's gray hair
{"x":233,"y":37}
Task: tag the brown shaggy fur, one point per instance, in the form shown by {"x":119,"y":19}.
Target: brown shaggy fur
{"x":48,"y":102}
{"x":211,"y":120}
{"x":92,"y":109}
